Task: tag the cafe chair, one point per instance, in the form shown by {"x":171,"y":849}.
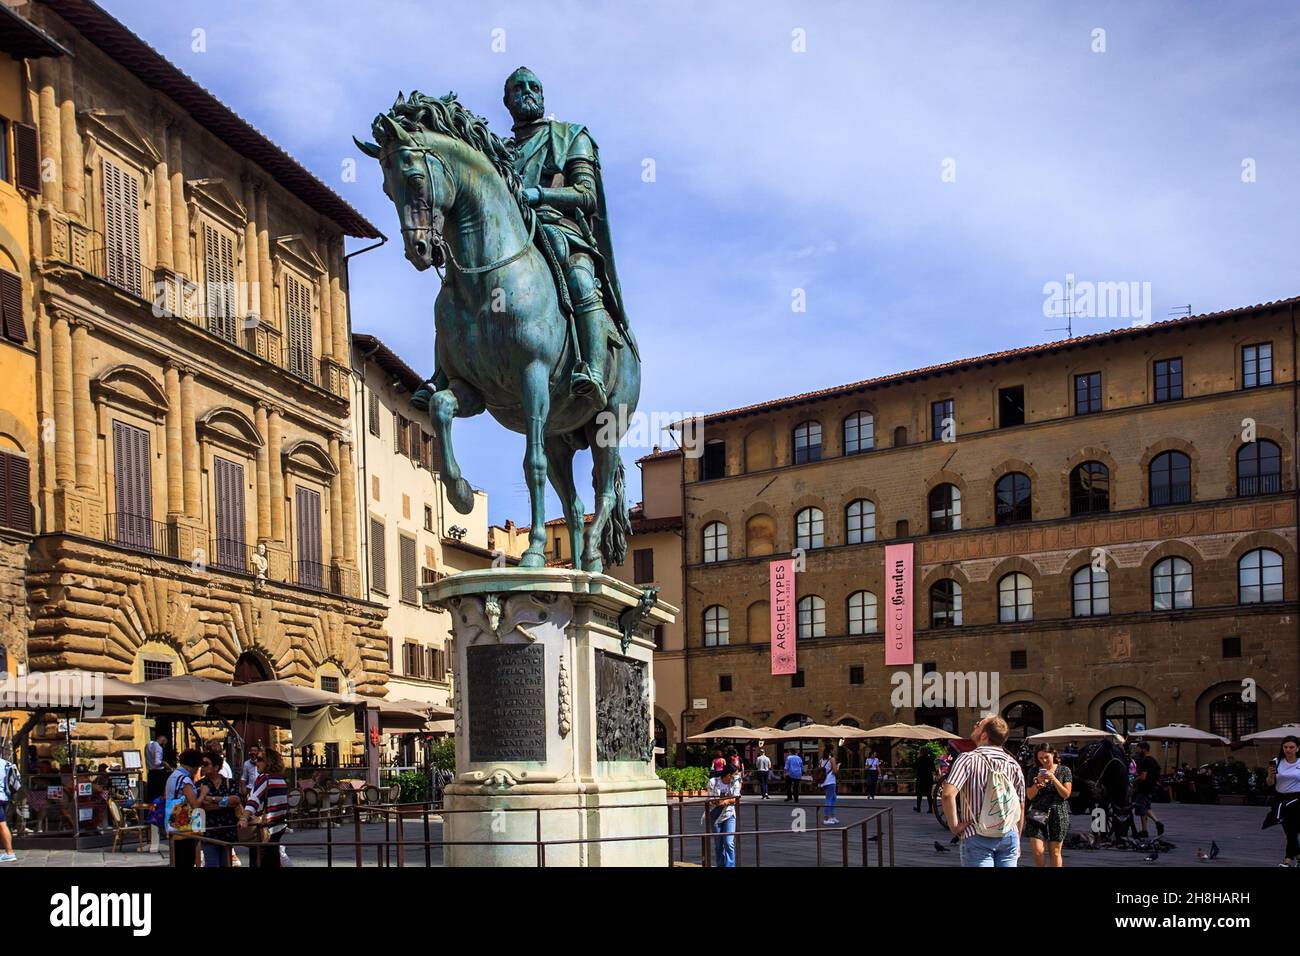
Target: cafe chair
{"x":123,"y":830}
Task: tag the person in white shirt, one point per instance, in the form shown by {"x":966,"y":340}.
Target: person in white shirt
{"x":724,"y":794}
{"x":156,"y":766}
{"x":248,"y":775}
{"x":1284,"y":777}
{"x":829,"y":766}
{"x":762,"y":767}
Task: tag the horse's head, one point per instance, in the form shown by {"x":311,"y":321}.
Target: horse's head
{"x":418,"y":182}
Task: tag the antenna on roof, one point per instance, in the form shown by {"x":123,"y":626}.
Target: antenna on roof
{"x":1067,"y":308}
{"x":1181,"y":311}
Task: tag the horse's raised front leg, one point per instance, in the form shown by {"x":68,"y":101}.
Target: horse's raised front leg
{"x":535,"y":401}
{"x":457,"y":400}
{"x":559,"y":456}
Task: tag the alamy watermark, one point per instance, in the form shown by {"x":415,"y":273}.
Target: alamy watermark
{"x":640,"y":429}
{"x":1097,"y":300}
{"x":45,"y":689}
{"x":977,"y":689}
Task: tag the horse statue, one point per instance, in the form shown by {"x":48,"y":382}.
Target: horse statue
{"x":502,"y":342}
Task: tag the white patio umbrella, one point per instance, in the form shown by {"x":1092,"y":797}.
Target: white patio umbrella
{"x":1276,"y":734}
{"x":1180,"y":734}
{"x":1072,"y":732}
{"x":911,"y":732}
{"x":730,"y":733}
{"x":821,"y":732}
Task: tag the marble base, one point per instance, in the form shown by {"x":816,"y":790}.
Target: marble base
{"x":554,"y":719}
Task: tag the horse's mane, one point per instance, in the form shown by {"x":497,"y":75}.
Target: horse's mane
{"x":445,"y":115}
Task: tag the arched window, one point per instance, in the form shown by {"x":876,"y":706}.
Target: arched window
{"x":725,"y":723}
{"x":717,"y":626}
{"x":808,"y":442}
{"x":1259,"y":469}
{"x":1015,"y":598}
{"x":1259,"y":577}
{"x":812,"y":616}
{"x":806,"y":749}
{"x":945,"y":509}
{"x":1024,"y":719}
{"x":810,"y":529}
{"x":715,"y":542}
{"x":860,"y":521}
{"x":1012,"y":502}
{"x":863,"y":613}
{"x":1170,"y":479}
{"x":859,"y":433}
{"x":1091,"y":592}
{"x":1124,"y":715}
{"x":1090,"y":489}
{"x":1232,"y":717}
{"x":945,"y":603}
{"x":1171,"y":585}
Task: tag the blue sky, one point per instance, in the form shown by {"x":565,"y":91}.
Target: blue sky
{"x":822,"y":170}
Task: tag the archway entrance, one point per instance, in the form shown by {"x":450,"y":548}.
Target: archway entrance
{"x":249,"y":669}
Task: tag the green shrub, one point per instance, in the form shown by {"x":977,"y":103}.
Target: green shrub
{"x":413,"y":786}
{"x":442,"y":754}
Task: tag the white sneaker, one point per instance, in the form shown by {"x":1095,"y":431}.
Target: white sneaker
{"x":8,"y":858}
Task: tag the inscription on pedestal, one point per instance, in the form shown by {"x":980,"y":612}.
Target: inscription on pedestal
{"x":506,"y":690}
{"x":622,"y":709}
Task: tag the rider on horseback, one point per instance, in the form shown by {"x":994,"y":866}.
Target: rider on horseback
{"x":560,"y":168}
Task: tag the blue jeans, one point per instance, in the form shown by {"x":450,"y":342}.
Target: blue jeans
{"x":215,"y":856}
{"x":725,"y":842}
{"x":978,"y":850}
{"x":829,"y":809}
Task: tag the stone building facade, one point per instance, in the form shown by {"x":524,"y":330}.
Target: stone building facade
{"x":1107,"y":523}
{"x":193,"y":379}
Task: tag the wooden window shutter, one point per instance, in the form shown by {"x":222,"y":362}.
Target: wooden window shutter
{"x":27,"y":158}
{"x":374,"y":414}
{"x":408,"y":556}
{"x":15,"y":492}
{"x":11,"y":307}
{"x":121,"y":228}
{"x":219,"y":277}
{"x":297,"y":299}
{"x":403,"y":436}
{"x":378,"y":558}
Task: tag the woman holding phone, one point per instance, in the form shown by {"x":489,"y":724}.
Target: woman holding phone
{"x":1047,"y":816}
{"x":1284,"y":777}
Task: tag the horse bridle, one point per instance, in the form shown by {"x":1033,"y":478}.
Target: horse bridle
{"x":437,"y":235}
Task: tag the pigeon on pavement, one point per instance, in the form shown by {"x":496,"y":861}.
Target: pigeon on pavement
{"x":940,"y":847}
{"x":1214,"y":849}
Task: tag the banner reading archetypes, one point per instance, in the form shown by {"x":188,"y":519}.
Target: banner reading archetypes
{"x":898,"y":617}
{"x":781,"y":595}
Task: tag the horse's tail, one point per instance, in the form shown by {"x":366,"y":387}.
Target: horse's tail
{"x":613,"y":538}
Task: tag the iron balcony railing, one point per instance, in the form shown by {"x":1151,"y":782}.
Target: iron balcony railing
{"x":140,"y":533}
{"x":323,"y":577}
{"x":1248,"y":486}
{"x":1178,"y":493}
{"x":231,"y":554}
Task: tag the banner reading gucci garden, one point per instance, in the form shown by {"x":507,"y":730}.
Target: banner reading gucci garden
{"x":898,"y":591}
{"x":781,"y":595}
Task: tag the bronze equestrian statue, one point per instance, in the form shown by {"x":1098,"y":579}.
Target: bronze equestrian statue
{"x":529,"y":321}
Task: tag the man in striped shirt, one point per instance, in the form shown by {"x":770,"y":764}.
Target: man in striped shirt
{"x":268,"y":803}
{"x":992,"y":789}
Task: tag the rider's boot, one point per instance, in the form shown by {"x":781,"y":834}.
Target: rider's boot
{"x":588,"y":379}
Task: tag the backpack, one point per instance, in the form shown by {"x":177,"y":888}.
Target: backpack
{"x":1000,"y":810}
{"x":158,"y":809}
{"x":13,"y":780}
{"x":819,"y":774}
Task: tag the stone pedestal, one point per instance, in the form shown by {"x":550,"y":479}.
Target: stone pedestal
{"x":554,"y":714}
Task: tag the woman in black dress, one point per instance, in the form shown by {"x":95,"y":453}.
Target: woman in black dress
{"x":221,"y":804}
{"x":1047,"y":812}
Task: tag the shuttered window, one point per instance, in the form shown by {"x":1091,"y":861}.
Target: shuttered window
{"x":27,"y":158}
{"x":133,"y":487}
{"x":310,"y":569}
{"x":15,"y":492}
{"x":378,"y":557}
{"x":121,"y":228}
{"x":228,"y":481}
{"x":438,"y":664}
{"x":409,"y":592}
{"x":643,"y":565}
{"x":297,"y":307}
{"x":11,"y":307}
{"x":219,"y":282}
{"x":373,"y":414}
{"x":403,"y":438}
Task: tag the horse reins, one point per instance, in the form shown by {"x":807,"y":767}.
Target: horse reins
{"x":441,"y":240}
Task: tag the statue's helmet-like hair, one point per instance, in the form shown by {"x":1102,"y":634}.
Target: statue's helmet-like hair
{"x":521,"y":71}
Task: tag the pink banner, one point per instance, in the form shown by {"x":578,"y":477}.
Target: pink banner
{"x":781,"y":593}
{"x":898,"y":590}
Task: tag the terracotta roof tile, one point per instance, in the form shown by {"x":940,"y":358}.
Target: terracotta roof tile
{"x":1023,"y":352}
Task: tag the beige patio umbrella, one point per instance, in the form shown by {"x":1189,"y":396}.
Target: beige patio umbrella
{"x":1180,"y":733}
{"x":732,"y":733}
{"x":1276,"y":734}
{"x":821,"y":732}
{"x":901,"y":731}
{"x":440,"y":727}
{"x":1072,"y":732}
